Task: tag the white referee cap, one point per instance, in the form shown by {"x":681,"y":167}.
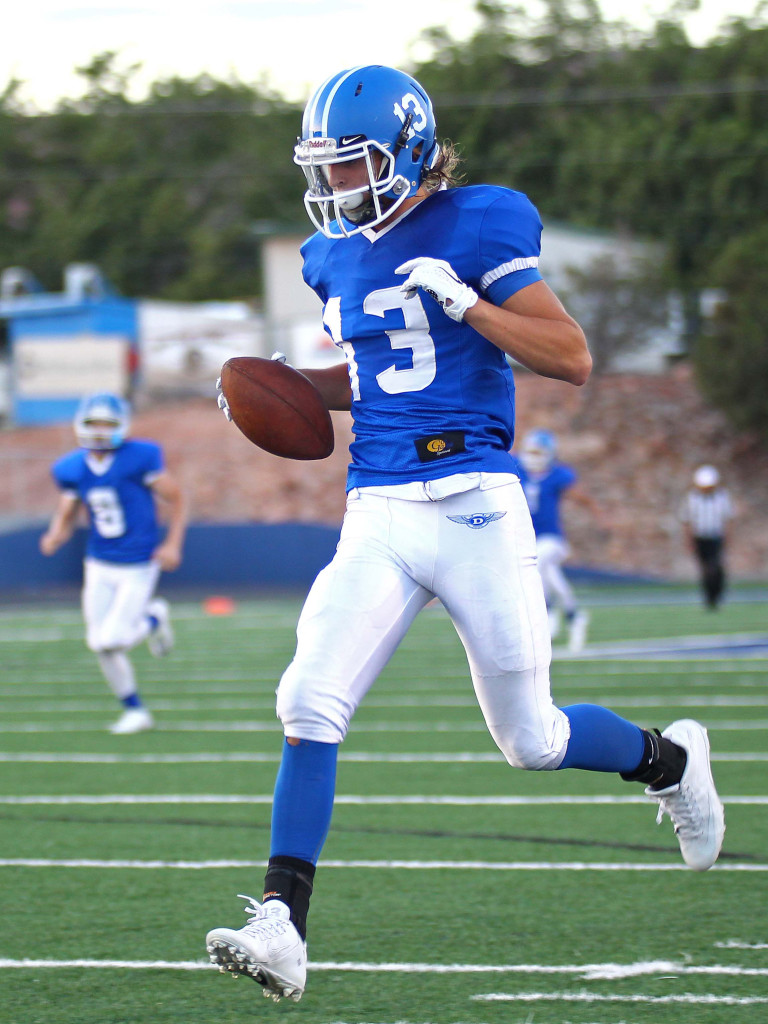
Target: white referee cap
{"x":706,"y":476}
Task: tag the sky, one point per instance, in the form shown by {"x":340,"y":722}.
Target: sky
{"x":292,"y":44}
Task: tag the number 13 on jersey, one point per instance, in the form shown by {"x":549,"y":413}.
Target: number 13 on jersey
{"x":414,"y":336}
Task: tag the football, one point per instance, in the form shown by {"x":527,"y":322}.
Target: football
{"x":277,"y":408}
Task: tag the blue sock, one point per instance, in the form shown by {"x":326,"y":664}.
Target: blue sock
{"x":154,"y":622}
{"x":132,"y":701}
{"x":303,"y":803}
{"x":601,"y":741}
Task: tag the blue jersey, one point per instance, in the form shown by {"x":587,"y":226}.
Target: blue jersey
{"x":543,"y":492}
{"x":430,"y":397}
{"x":116,"y":492}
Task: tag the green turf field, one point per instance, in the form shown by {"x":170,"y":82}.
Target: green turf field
{"x":452,"y":890}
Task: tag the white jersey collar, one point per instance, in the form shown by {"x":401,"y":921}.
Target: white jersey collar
{"x":98,"y":466}
{"x":372,"y":234}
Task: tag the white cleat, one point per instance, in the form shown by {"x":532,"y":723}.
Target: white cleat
{"x":160,"y":641}
{"x":132,"y":720}
{"x":577,"y":632}
{"x":268,"y":949}
{"x":693,"y":804}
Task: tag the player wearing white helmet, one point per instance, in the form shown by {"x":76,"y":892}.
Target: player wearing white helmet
{"x":546,"y":482}
{"x":118,"y":481}
{"x":427,"y":289}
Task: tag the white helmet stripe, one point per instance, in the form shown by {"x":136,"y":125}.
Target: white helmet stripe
{"x":331,"y":94}
{"x":311,"y":111}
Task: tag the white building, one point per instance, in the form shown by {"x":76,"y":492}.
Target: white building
{"x":292,"y":311}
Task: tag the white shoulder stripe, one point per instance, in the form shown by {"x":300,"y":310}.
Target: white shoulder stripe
{"x":521,"y":263}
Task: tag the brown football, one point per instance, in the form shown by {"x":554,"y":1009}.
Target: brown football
{"x":277,"y":408}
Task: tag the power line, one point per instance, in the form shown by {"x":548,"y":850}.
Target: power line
{"x":492,"y":100}
{"x":546,"y":97}
{"x":208,"y":177}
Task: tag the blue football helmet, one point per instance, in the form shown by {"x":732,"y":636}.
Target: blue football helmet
{"x":102,"y":421}
{"x":376,"y":114}
{"x":538,"y":451}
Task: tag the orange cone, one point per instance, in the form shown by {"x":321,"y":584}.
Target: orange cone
{"x":218,"y":604}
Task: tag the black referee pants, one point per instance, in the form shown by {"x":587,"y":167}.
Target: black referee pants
{"x":709,"y":551}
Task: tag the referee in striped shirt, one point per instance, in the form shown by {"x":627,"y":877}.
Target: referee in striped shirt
{"x":705,"y":512}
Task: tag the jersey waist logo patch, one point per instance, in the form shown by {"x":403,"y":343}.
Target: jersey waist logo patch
{"x":439,"y":446}
{"x":478,"y":520}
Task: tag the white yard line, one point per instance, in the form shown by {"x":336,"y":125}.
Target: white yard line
{"x":589,"y":972}
{"x":409,"y":726}
{"x":576,"y":671}
{"x":51,"y":678}
{"x":348,"y":799}
{"x":25,"y":704}
{"x":251,"y":757}
{"x":65,"y":706}
{"x":367,"y":865}
{"x":686,"y":998}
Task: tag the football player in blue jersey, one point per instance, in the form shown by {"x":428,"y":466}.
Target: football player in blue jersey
{"x":428,"y":288}
{"x":546,"y":481}
{"x":119,"y":481}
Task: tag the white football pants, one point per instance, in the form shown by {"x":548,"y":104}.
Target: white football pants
{"x":115,"y":599}
{"x":393,"y":557}
{"x":552,"y":551}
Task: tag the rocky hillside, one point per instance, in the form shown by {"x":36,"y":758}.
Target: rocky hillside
{"x":633,"y":439}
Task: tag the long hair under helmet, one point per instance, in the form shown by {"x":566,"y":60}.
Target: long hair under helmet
{"x":358,"y":114}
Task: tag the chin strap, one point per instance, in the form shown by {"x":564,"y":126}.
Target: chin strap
{"x":405,"y":134}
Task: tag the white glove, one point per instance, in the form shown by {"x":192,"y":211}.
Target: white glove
{"x":221,"y":400}
{"x":280,"y":357}
{"x":439,"y":280}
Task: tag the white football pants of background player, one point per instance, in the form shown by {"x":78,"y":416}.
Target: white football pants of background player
{"x":474,"y":550}
{"x":114,"y":600}
{"x":552,"y":551}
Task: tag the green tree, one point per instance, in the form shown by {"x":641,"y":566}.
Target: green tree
{"x":610,"y":128}
{"x":161,"y":192}
{"x":731,"y":357}
{"x":640,"y":133}
{"x":622,"y":305}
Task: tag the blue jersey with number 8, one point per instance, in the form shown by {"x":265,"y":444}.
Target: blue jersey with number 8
{"x":117,"y":495}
